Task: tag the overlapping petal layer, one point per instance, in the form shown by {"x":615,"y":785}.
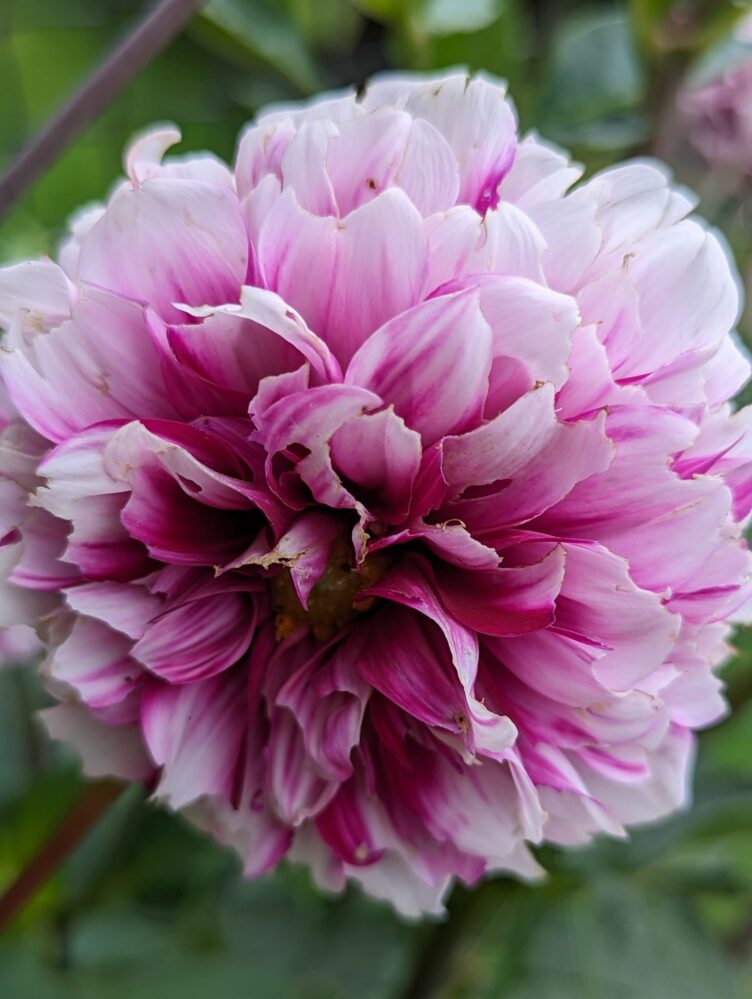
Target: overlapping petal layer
{"x":380,"y":501}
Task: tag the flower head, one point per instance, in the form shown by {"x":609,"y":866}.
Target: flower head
{"x":718,"y":116}
{"x":378,"y":502}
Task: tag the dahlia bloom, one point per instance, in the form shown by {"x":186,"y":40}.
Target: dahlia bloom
{"x":378,"y":502}
{"x":718,"y":118}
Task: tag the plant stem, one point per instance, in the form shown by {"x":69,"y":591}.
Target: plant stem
{"x":147,"y":39}
{"x":83,"y":816}
{"x":443,"y":941}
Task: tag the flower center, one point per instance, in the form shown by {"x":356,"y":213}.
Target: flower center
{"x":333,"y":602}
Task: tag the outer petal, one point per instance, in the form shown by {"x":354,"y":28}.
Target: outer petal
{"x":194,"y":733}
{"x":106,"y":750}
{"x":169,"y":240}
{"x":73,"y":376}
{"x":93,"y":662}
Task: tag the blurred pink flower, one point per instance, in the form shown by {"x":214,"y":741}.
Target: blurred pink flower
{"x":385,"y":498}
{"x":718,"y":118}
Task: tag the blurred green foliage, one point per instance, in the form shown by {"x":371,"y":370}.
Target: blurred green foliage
{"x":146,"y":906}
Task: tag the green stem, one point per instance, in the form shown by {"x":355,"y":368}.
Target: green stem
{"x":443,"y":941}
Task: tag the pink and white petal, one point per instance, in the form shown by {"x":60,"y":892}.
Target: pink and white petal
{"x":556,"y":664}
{"x":296,"y":789}
{"x":505,"y":601}
{"x":688,"y":297}
{"x":646,"y":519}
{"x":575,"y":452}
{"x":344,"y":827}
{"x":36,"y":294}
{"x":474,"y":117}
{"x":93,"y":663}
{"x":260,"y":151}
{"x":394,"y":880}
{"x":666,"y":788}
{"x":541,"y":172}
{"x":403,"y":658}
{"x":105,"y":750}
{"x":451,"y":542}
{"x":310,"y":419}
{"x":502,"y":448}
{"x":198,"y":639}
{"x":268,"y":312}
{"x":345,"y":277}
{"x":17,"y":605}
{"x":303,"y":167}
{"x":530,"y":324}
{"x":363,"y":157}
{"x":504,"y":241}
{"x":328,"y":698}
{"x":71,"y":377}
{"x":18,"y":644}
{"x":79,"y":224}
{"x":420,"y":362}
{"x":428,"y":173}
{"x":75,"y":471}
{"x":409,"y":585}
{"x":304,"y":549}
{"x":195,"y":733}
{"x":600,"y":600}
{"x":570,"y":229}
{"x":125,"y":607}
{"x":379,"y":457}
{"x":388,"y":148}
{"x":590,"y":385}
{"x":144,"y":159}
{"x":169,"y":240}
{"x":475,"y":808}
{"x":632,"y":201}
{"x":42,"y":564}
{"x":253,"y":833}
{"x":726,"y":372}
{"x":179,"y":530}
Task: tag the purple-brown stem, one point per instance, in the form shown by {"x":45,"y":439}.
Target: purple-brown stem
{"x":147,"y":39}
{"x":83,"y":816}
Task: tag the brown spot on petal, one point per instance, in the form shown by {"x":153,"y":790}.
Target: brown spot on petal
{"x":461,"y":722}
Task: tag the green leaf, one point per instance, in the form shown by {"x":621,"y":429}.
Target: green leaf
{"x":331,"y":25}
{"x":255,"y":31}
{"x":447,"y":17}
{"x":609,"y":938}
{"x":386,"y":11}
{"x":594,"y":74}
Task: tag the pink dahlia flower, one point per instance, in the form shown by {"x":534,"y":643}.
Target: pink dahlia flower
{"x":718,"y":116}
{"x":378,"y":502}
